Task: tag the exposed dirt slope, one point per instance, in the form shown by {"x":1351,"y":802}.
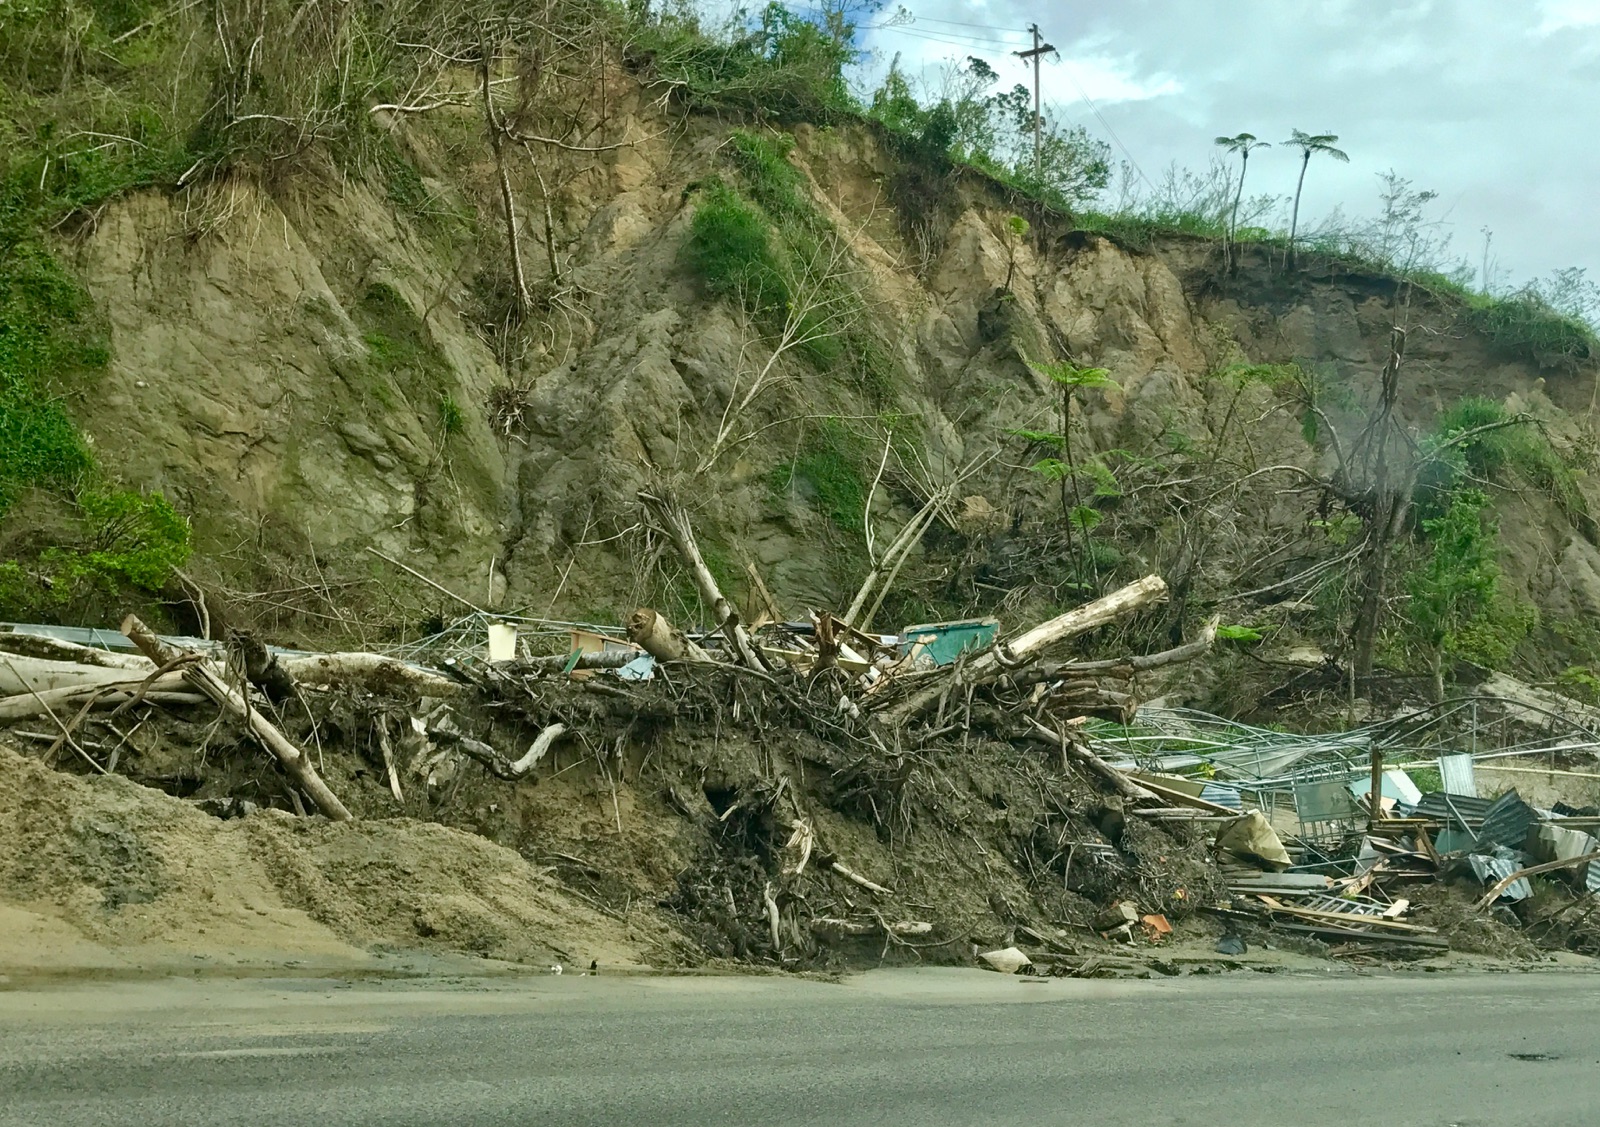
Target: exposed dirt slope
{"x":311,"y":369}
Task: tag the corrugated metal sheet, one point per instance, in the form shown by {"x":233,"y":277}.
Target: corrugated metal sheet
{"x":1490,"y":870}
{"x":1440,"y":805}
{"x":1457,"y":776}
{"x":1507,"y":821}
{"x":1222,"y":796}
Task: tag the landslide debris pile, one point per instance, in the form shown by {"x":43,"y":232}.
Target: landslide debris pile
{"x":802,"y":795}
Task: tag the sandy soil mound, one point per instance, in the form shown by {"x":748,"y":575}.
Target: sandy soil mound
{"x":132,"y":871}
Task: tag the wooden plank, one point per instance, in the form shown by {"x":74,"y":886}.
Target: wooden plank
{"x":1432,"y":942}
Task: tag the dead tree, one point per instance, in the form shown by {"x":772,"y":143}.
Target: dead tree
{"x":671,"y":518}
{"x":521,"y":298}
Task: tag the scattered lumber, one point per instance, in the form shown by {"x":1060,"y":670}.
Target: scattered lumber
{"x":204,"y":676}
{"x":1329,"y":931}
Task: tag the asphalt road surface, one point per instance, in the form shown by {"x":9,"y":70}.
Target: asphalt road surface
{"x":922,"y":1047}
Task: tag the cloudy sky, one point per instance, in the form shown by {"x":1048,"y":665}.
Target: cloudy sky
{"x":1495,"y":104}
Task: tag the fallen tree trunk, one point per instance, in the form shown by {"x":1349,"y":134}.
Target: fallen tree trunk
{"x":166,"y":689}
{"x":660,"y":639}
{"x":1135,"y":596}
{"x":203,"y":676}
{"x":675,"y":523}
{"x":373,"y":672}
{"x":20,"y":674}
{"x":39,"y":645}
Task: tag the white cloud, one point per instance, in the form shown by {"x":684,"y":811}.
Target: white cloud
{"x":1560,"y":14}
{"x":1109,"y":81}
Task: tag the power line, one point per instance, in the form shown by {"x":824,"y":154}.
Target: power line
{"x":953,"y":38}
{"x":1088,"y":101}
{"x":953,"y":23}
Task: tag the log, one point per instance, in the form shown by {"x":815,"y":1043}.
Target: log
{"x":596,"y":659}
{"x":1135,"y":596}
{"x":166,"y":689}
{"x":825,"y":925}
{"x":373,"y":672}
{"x":660,"y":639}
{"x":39,"y":645}
{"x":75,"y":666}
{"x":1126,"y":666}
{"x":203,"y":675}
{"x":40,"y":674}
{"x":675,"y":523}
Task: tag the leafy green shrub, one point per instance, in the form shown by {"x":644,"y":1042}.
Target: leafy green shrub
{"x":1513,"y":447}
{"x":783,"y":66}
{"x":114,"y":542}
{"x":136,"y":538}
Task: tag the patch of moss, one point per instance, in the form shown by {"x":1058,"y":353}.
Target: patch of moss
{"x":405,"y":364}
{"x":830,"y":471}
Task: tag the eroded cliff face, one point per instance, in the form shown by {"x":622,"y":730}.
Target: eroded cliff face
{"x":312,"y":368}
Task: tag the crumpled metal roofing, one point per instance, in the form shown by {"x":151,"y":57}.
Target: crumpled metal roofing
{"x":1507,"y":821}
{"x":1489,"y":870}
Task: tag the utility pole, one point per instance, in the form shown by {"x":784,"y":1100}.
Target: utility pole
{"x":1040,"y":47}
